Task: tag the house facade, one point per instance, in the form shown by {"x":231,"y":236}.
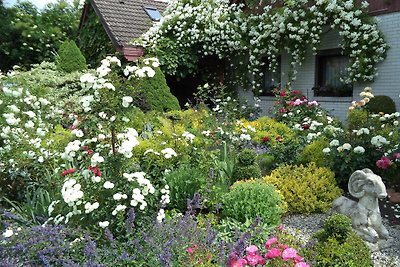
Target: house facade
{"x":319,"y":70}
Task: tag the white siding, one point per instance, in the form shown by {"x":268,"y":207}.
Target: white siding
{"x":386,"y":83}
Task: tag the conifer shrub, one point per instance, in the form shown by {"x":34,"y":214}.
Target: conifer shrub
{"x":70,"y":58}
{"x":381,"y":103}
{"x":246,"y":166}
{"x":337,"y":245}
{"x":155,"y":94}
{"x":356,"y":118}
{"x":306,"y":189}
{"x":250,"y":199}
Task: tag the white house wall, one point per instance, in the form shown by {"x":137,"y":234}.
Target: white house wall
{"x":387,"y":82}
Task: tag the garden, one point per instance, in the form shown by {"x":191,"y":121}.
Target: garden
{"x":102,"y":167}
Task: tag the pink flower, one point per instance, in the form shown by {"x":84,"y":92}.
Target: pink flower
{"x":297,"y":102}
{"x":273,"y":253}
{"x":282,"y":110}
{"x":280,"y":227}
{"x":289,"y":253}
{"x":301,"y":264}
{"x":237,"y":263}
{"x":383,"y":163}
{"x":396,"y":156}
{"x":270,"y":242}
{"x":298,"y":258}
{"x":252,"y":250}
{"x":189,"y":250}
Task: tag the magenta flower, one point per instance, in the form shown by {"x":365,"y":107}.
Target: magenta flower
{"x":252,"y":250}
{"x":270,"y":242}
{"x":289,"y":253}
{"x":383,"y":163}
{"x":298,"y":258}
{"x":189,"y":250}
{"x":273,"y":253}
{"x":237,"y":263}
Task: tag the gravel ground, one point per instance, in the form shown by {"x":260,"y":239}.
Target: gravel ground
{"x":303,"y":226}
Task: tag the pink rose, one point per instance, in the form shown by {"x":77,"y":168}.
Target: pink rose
{"x":289,"y":253}
{"x":237,"y":263}
{"x":270,"y":242}
{"x":189,"y":250}
{"x":273,"y":253}
{"x":383,"y":163}
{"x":252,"y":250}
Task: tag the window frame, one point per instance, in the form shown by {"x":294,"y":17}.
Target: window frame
{"x":149,"y":9}
{"x":319,"y":69}
{"x":274,"y":75}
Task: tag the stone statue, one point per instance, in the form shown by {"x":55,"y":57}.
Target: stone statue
{"x":365,"y":214}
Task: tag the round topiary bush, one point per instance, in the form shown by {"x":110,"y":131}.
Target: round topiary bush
{"x":70,"y":58}
{"x":155,"y":92}
{"x":381,"y":103}
{"x":306,"y":189}
{"x":250,"y":199}
{"x":246,"y":166}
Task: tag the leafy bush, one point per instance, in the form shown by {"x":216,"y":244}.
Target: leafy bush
{"x":306,"y":189}
{"x":337,"y":226}
{"x":184,"y":183}
{"x":381,"y":103}
{"x":70,"y":58}
{"x":356,"y":117}
{"x":250,"y":199}
{"x":313,"y":153}
{"x":155,"y":92}
{"x":246,"y":166}
{"x":337,"y":245}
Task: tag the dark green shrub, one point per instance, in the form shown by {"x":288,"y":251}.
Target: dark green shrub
{"x":338,"y":246}
{"x":306,"y":189}
{"x":248,"y":200}
{"x":70,"y":58}
{"x":337,"y":226}
{"x":155,"y":94}
{"x":184,"y":183}
{"x":246,"y":166}
{"x":381,"y":103}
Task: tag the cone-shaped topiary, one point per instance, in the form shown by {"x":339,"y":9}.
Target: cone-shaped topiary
{"x":70,"y":58}
{"x":156,"y":93}
{"x":246,"y":166}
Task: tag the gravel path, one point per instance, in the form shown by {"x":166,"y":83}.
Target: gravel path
{"x":303,"y":226}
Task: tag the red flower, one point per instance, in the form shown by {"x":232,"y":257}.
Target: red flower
{"x":306,"y":126}
{"x":282,"y":110}
{"x":96,"y":171}
{"x":66,"y":172}
{"x":265,"y":139}
{"x":296,"y":92}
{"x":383,"y":163}
{"x":282,"y":93}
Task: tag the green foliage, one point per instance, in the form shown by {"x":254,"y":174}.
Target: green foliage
{"x":94,"y":41}
{"x":338,"y":246}
{"x":313,"y":153}
{"x":356,"y":118}
{"x":30,"y":36}
{"x":381,"y":103}
{"x":251,"y":199}
{"x":306,"y":189}
{"x":246,"y":166}
{"x":70,"y":58}
{"x":337,"y":226}
{"x":184,"y":182}
{"x":155,"y":93}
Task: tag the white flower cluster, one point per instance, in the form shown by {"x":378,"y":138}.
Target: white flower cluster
{"x":139,"y":177}
{"x":165,"y":199}
{"x":379,"y":141}
{"x":71,"y":192}
{"x":168,"y":153}
{"x":129,"y":141}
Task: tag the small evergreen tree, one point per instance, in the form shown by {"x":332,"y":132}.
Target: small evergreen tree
{"x":70,"y":58}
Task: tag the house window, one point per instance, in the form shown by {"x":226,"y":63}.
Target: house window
{"x":331,"y":65}
{"x":153,"y":13}
{"x":271,"y":80}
